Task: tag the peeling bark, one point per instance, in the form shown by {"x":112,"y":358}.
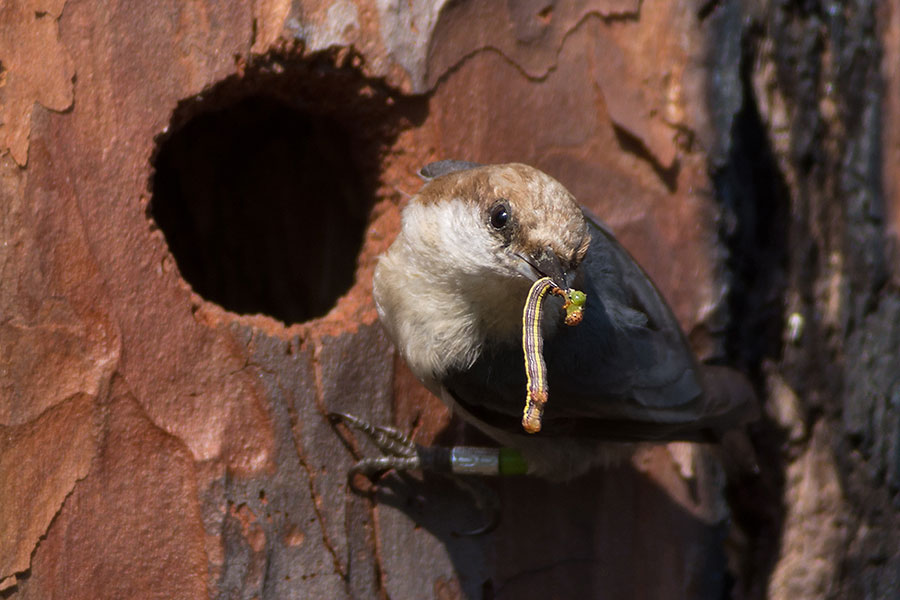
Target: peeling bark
{"x":165,"y":385}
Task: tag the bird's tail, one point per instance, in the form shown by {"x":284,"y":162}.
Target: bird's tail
{"x":733,"y":403}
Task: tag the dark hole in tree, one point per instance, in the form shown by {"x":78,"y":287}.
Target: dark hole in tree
{"x":263,"y":196}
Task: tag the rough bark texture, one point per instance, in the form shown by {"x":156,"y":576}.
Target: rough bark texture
{"x":192,"y":200}
{"x":825,"y":80}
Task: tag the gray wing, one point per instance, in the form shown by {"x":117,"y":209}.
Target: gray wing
{"x":625,"y":373}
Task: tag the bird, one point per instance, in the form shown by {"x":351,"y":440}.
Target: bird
{"x":450,"y":291}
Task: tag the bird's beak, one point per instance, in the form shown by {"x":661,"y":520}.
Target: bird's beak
{"x":548,"y":264}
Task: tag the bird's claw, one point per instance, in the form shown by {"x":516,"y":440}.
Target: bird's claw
{"x":486,"y":500}
{"x":400,"y":452}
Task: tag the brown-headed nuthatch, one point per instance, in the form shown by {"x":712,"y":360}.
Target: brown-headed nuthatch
{"x":450,"y":292}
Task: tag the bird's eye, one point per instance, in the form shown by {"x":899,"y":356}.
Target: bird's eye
{"x":499,"y":216}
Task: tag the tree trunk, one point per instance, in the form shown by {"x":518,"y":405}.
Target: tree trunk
{"x":192,"y":201}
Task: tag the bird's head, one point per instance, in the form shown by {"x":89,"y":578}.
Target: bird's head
{"x":502,"y":221}
{"x":472,"y":242}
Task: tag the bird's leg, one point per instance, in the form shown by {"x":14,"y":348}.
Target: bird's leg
{"x":402,"y":454}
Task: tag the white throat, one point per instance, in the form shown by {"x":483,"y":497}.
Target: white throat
{"x":440,"y":289}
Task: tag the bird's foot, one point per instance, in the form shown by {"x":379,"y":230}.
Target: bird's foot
{"x":402,"y":454}
{"x":399,"y":452}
